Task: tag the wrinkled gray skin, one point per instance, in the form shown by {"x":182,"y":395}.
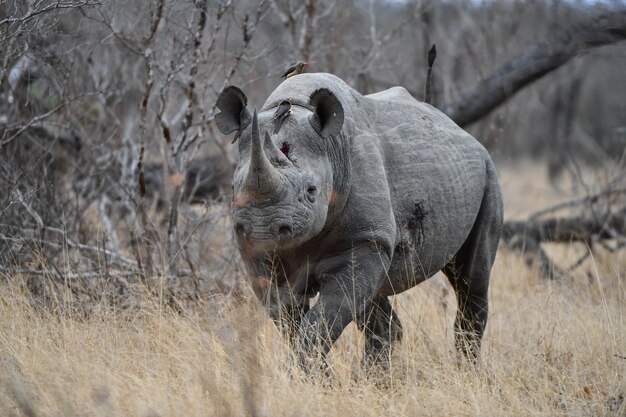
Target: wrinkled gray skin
{"x":375,"y":194}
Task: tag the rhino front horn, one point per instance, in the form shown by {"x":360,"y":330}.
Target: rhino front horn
{"x":263,"y":177}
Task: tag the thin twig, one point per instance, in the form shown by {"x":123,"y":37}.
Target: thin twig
{"x":32,"y":121}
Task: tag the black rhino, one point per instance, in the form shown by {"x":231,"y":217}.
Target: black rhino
{"x":356,"y":198}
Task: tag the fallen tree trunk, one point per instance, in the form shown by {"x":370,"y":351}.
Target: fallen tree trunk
{"x":566,"y":230}
{"x":527,"y":236}
{"x":564,"y":44}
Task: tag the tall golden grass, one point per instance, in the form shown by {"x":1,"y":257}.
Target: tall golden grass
{"x":551,"y":348}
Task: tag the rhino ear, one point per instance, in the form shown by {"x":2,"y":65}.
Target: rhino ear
{"x":234,"y":115}
{"x":327,"y":119}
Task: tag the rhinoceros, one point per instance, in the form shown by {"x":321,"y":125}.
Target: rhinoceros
{"x":355,"y":198}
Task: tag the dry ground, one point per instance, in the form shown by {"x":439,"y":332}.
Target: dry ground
{"x":551,"y":348}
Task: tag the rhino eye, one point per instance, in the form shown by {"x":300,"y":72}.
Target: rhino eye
{"x":311,"y":190}
{"x":285,"y":149}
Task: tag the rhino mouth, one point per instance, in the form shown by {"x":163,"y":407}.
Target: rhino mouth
{"x":280,"y":239}
{"x":279,"y":234}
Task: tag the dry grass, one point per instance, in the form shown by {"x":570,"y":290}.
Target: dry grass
{"x":550,"y":349}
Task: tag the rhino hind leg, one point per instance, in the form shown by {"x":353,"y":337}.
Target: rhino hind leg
{"x":382,"y":328}
{"x":469,"y":270}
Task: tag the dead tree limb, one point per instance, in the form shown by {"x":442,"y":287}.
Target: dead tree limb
{"x":562,"y":45}
{"x":569,"y":229}
{"x":591,"y":199}
{"x":526,"y":236}
{"x":308,"y":30}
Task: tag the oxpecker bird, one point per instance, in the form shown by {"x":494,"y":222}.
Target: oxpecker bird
{"x":295,"y":69}
{"x":282,"y":112}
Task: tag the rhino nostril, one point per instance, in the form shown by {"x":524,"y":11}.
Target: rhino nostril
{"x":285,"y":231}
{"x":240,"y":229}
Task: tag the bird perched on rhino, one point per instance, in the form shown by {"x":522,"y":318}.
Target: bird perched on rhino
{"x":295,"y":69}
{"x":282,"y":112}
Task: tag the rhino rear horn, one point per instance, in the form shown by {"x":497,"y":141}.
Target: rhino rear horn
{"x":234,"y":115}
{"x":327,"y":119}
{"x":273,"y":153}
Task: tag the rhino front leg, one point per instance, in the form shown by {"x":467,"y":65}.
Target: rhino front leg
{"x":288,"y":319}
{"x":346,"y":291}
{"x":284,"y":304}
{"x":382,"y":328}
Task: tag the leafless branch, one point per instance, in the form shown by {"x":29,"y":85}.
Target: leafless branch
{"x":31,"y":122}
{"x":564,"y":44}
{"x":308,"y":31}
{"x":58,"y":5}
{"x":578,"y":201}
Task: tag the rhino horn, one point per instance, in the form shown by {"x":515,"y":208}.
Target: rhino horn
{"x":263,"y":177}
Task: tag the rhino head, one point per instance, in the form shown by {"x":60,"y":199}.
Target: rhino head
{"x":283,"y":183}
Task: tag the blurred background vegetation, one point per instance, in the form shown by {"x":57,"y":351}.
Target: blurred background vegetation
{"x":109,"y":160}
